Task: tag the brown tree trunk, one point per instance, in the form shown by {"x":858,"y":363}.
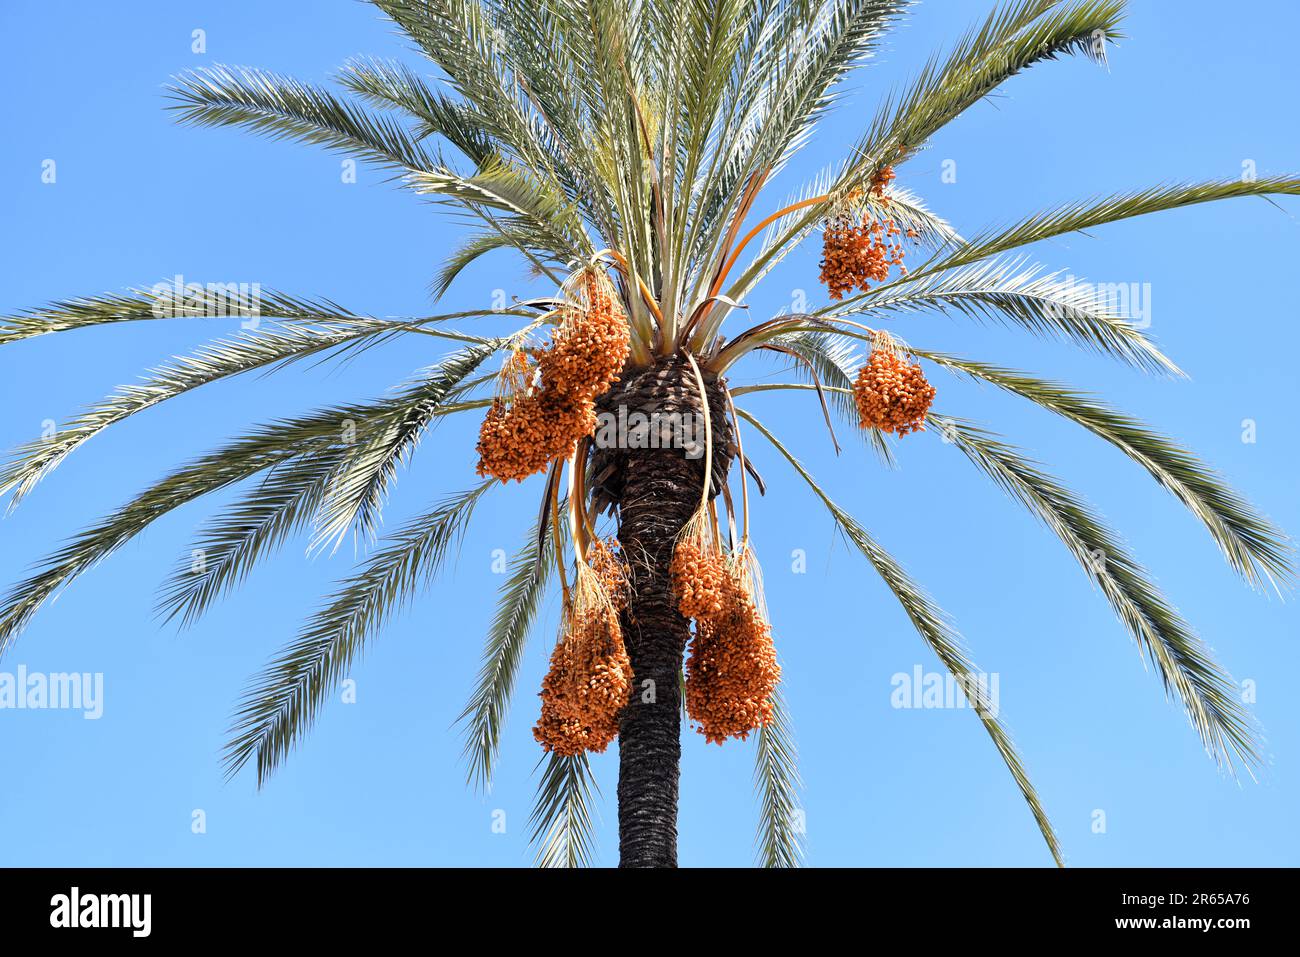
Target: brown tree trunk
{"x":656,"y":491}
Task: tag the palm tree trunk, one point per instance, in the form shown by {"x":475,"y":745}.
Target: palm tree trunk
{"x":657,"y":490}
{"x":659,"y":497}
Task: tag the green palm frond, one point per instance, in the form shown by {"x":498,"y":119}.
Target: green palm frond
{"x":282,"y":107}
{"x":562,"y":820}
{"x":1185,"y":664}
{"x":1013,"y":38}
{"x":776,"y":777}
{"x":1088,"y":214}
{"x":549,"y":48}
{"x":230,"y":545}
{"x":282,"y":702}
{"x":164,"y":301}
{"x":475,"y":247}
{"x":520,"y":598}
{"x":260,"y":349}
{"x":934,"y":628}
{"x":806,"y":62}
{"x":505,"y":188}
{"x":733,"y":42}
{"x":389,"y":84}
{"x":1014,"y":293}
{"x":281,"y":505}
{"x":1252,"y":545}
{"x":802,"y":64}
{"x":521,"y":108}
{"x":357,"y":489}
{"x":460,"y":37}
{"x":261,"y":449}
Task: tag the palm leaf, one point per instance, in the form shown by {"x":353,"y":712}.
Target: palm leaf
{"x":236,"y":461}
{"x":1011,"y":293}
{"x":386,"y":83}
{"x":1186,"y":666}
{"x":281,"y":505}
{"x":164,"y":301}
{"x":776,"y":777}
{"x":283,"y":700}
{"x":806,"y":57}
{"x":1088,"y":214}
{"x":260,"y":349}
{"x":357,"y":489}
{"x":934,"y":628}
{"x":282,"y":107}
{"x":520,"y":598}
{"x":1015,"y":37}
{"x":562,"y":821}
{"x":1252,"y":545}
{"x":233,"y":543}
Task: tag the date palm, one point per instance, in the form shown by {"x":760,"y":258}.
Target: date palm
{"x":639,"y":141}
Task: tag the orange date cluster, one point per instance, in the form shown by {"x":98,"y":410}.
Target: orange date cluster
{"x":732,"y":670}
{"x":524,"y":432}
{"x":891,"y":394}
{"x":590,"y":676}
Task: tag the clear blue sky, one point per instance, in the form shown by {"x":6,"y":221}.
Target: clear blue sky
{"x":1191,"y":94}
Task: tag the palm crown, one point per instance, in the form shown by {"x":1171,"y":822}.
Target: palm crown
{"x":624,"y":150}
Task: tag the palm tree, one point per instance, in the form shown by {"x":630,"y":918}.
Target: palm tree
{"x":624,"y":150}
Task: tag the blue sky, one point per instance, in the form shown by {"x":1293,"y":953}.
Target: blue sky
{"x":1190,"y":95}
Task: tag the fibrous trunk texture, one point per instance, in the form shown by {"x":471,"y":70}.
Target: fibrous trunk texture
{"x":656,"y":491}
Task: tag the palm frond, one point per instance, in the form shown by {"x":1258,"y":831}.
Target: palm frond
{"x":389,"y":84}
{"x":1252,"y":545}
{"x":357,"y":489}
{"x":933,"y":627}
{"x":548,"y":54}
{"x":282,"y":107}
{"x":521,"y":92}
{"x":1013,"y":293}
{"x":517,"y":606}
{"x":1186,"y":666}
{"x":281,"y":505}
{"x":1015,"y":37}
{"x":1088,"y":214}
{"x":504,"y":235}
{"x":806,"y":55}
{"x":165,"y":301}
{"x":283,"y":700}
{"x":263,"y":348}
{"x":776,"y":778}
{"x":562,"y":820}
{"x":506,"y":188}
{"x":232,"y":544}
{"x":261,"y":449}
